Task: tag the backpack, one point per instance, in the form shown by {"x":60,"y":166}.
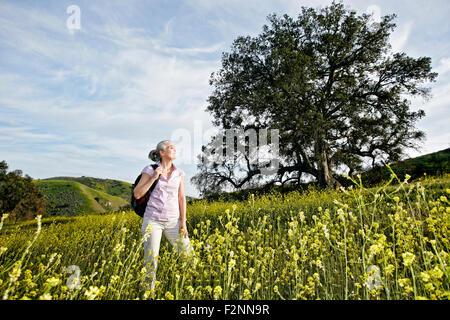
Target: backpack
{"x":140,"y":204}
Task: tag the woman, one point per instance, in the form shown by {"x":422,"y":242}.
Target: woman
{"x":166,"y":207}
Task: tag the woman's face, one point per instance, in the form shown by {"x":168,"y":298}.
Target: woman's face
{"x":169,"y":152}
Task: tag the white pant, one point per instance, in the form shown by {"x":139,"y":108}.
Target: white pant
{"x":152,"y":242}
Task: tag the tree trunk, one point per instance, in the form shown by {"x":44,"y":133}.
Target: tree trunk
{"x":324,"y":177}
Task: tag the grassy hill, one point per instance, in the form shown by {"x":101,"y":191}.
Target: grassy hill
{"x":432,"y":164}
{"x":71,"y":198}
{"x":113,"y":187}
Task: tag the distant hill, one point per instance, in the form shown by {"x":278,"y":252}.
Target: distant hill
{"x":116,"y":188}
{"x":432,"y":164}
{"x":71,"y":198}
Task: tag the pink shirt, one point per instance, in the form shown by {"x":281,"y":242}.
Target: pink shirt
{"x":163,"y":203}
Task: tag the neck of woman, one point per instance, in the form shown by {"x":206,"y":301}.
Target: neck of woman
{"x":166,"y":164}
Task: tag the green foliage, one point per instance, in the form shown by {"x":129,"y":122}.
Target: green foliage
{"x":19,"y":196}
{"x":68,"y":198}
{"x":64,"y":198}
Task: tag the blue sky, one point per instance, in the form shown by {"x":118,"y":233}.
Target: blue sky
{"x":94,"y":101}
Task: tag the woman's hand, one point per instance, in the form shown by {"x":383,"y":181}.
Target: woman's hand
{"x":183,"y":229}
{"x":158,"y":171}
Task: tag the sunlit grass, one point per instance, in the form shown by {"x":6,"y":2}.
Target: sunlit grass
{"x":388,"y":242}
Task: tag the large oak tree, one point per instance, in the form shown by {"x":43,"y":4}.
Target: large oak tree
{"x":330,"y":82}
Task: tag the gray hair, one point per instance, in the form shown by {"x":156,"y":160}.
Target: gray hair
{"x":154,"y":154}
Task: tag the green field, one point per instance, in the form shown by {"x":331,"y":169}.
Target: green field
{"x":389,"y":242}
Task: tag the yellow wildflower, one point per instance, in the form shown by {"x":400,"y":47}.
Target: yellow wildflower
{"x":408,"y":259}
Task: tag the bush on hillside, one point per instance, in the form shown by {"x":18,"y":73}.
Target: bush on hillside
{"x":19,"y":197}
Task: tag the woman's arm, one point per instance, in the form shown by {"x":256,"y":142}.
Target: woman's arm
{"x":182,"y":204}
{"x":182,"y":201}
{"x":144,"y":184}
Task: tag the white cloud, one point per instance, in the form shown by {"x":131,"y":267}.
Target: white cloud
{"x":444,"y":66}
{"x":18,"y":135}
{"x":142,"y":89}
{"x":400,"y":36}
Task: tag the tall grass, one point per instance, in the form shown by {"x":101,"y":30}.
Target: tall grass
{"x":388,"y":242}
